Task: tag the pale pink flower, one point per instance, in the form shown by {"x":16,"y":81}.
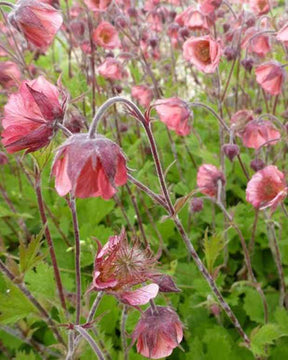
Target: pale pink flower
{"x":39,"y":22}
{"x":207,"y":179}
{"x":143,"y":94}
{"x":240,"y":119}
{"x":259,"y":133}
{"x":175,"y":114}
{"x":270,"y":76}
{"x":97,"y":5}
{"x":209,"y":6}
{"x":10,"y":74}
{"x":260,"y":7}
{"x":106,"y":36}
{"x":282,"y":34}
{"x":267,"y":188}
{"x":259,"y":45}
{"x":193,"y":19}
{"x":112,"y":69}
{"x":30,"y":115}
{"x":158,"y":332}
{"x":203,"y":52}
{"x":89,"y":167}
{"x":119,"y":266}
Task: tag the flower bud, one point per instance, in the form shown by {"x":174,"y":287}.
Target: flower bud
{"x":196,"y":205}
{"x":230,"y":53}
{"x":132,"y":12}
{"x":231,"y":151}
{"x":257,"y":164}
{"x":74,"y":120}
{"x":3,"y":158}
{"x":247,"y":64}
{"x":153,"y":42}
{"x":184,"y":32}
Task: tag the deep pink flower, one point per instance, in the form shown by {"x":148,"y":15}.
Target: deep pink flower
{"x":270,"y":76}
{"x":209,"y":6}
{"x":106,"y":36}
{"x":259,"y":133}
{"x":259,"y":45}
{"x":119,"y":266}
{"x":203,"y":52}
{"x":158,"y":332}
{"x":267,"y":188}
{"x":30,"y":115}
{"x":260,"y":7}
{"x":207,"y":179}
{"x":193,"y":19}
{"x":143,"y":94}
{"x":10,"y":74}
{"x":112,"y":69}
{"x":39,"y":22}
{"x":175,"y":114}
{"x":97,"y":5}
{"x":282,"y":34}
{"x":89,"y":167}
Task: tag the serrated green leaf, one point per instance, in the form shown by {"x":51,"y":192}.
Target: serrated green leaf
{"x":21,"y":355}
{"x":266,"y":335}
{"x":213,"y":246}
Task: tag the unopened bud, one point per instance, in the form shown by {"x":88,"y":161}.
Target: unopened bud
{"x":230,"y":53}
{"x":231,"y":151}
{"x":196,"y":205}
{"x":257,"y":164}
{"x":247,"y":64}
{"x":153,"y":42}
{"x":132,"y":12}
{"x":3,"y":158}
{"x":184,"y":32}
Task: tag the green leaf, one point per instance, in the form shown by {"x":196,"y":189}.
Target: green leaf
{"x":29,"y":255}
{"x":14,"y":305}
{"x":21,"y":355}
{"x":253,"y":305}
{"x":212,"y":248}
{"x":266,"y":335}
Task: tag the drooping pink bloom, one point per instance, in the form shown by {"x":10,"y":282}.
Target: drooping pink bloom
{"x":193,"y":19}
{"x":282,"y":34}
{"x":106,"y":36}
{"x":257,"y":44}
{"x":260,"y":7}
{"x":207,"y":179}
{"x":97,"y":5}
{"x":240,"y":119}
{"x":267,"y":188}
{"x":30,"y":115}
{"x":203,"y":52}
{"x":175,"y":114}
{"x":209,"y":6}
{"x":143,"y":94}
{"x":112,"y":69}
{"x":10,"y":74}
{"x":158,"y":332}
{"x":270,"y":76}
{"x":259,"y":133}
{"x":39,"y":22}
{"x":119,"y":266}
{"x":89,"y":167}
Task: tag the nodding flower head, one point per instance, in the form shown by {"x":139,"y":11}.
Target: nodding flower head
{"x":270,"y":76}
{"x":31,"y":114}
{"x":207,"y":179}
{"x":158,"y":332}
{"x":118,"y":266}
{"x":267,"y":188}
{"x":89,"y":167}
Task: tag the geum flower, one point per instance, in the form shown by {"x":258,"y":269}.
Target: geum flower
{"x":112,"y":69}
{"x":119,"y":266}
{"x":38,"y":21}
{"x":106,"y":36}
{"x":31,"y":114}
{"x":89,"y":167}
{"x":267,"y":188}
{"x":208,"y":177}
{"x":175,"y":113}
{"x":10,"y":74}
{"x":203,"y":52}
{"x":270,"y":76}
{"x":158,"y":332}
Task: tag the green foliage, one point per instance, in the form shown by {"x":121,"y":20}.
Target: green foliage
{"x":213,"y":247}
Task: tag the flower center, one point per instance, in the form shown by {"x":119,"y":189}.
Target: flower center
{"x":203,"y":52}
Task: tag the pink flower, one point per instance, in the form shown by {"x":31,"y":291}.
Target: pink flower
{"x":282,"y":34}
{"x":112,"y":69}
{"x":240,"y":119}
{"x":259,"y":45}
{"x":39,"y":22}
{"x":259,"y":133}
{"x":97,"y":5}
{"x":203,"y":52}
{"x":143,"y":94}
{"x":106,"y":36}
{"x":158,"y":332}
{"x":175,"y":114}
{"x":193,"y":19}
{"x":209,"y":6}
{"x":119,"y":266}
{"x":267,"y":188}
{"x":10,"y":74}
{"x":89,"y":167}
{"x":30,"y":116}
{"x":270,"y":76}
{"x":260,"y":7}
{"x":207,"y":179}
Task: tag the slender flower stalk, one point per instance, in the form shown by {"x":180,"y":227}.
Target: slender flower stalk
{"x":123,"y":332}
{"x":90,"y":341}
